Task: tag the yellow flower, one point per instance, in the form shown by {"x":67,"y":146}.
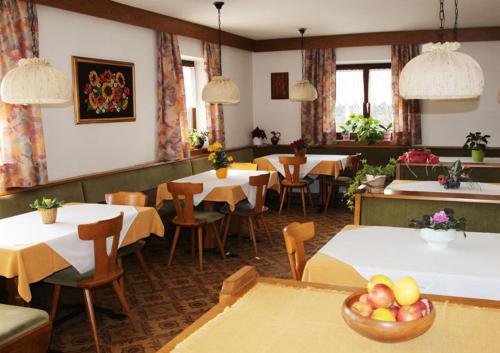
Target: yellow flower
{"x":93,"y":101}
{"x":47,"y":201}
{"x":230,"y":159}
{"x":125,"y":104}
{"x":107,"y":91}
{"x":211,"y":156}
{"x":93,"y":78}
{"x":120,"y":79}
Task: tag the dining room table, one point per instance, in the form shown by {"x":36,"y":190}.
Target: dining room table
{"x":31,"y":250}
{"x":467,"y":268}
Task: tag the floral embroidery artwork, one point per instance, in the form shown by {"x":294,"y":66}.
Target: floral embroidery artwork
{"x":106,"y":92}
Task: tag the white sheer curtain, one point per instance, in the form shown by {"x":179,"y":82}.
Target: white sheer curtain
{"x":349,"y":95}
{"x":380,"y":95}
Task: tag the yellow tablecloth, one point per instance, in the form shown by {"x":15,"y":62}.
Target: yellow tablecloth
{"x":285,"y":319}
{"x":35,"y":262}
{"x":322,"y":168}
{"x":230,"y":194}
{"x":325,"y":269}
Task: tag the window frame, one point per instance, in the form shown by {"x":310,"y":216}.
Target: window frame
{"x":190,"y":63}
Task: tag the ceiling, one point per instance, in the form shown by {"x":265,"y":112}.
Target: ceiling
{"x":268,"y":19}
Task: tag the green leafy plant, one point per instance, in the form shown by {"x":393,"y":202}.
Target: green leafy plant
{"x":46,"y":203}
{"x":453,"y":175}
{"x":476,"y":141}
{"x":197,"y":138}
{"x":386,"y":128}
{"x":345,"y":129}
{"x":441,"y":220}
{"x":388,"y":170}
{"x":366,"y":129}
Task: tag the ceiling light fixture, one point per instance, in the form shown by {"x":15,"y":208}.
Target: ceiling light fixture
{"x":220,"y":90}
{"x":441,"y":72}
{"x":303,"y":90}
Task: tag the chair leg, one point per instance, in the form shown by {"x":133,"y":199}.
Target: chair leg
{"x":91,"y":315}
{"x":252,"y":234}
{"x":282,"y":199}
{"x":55,"y":301}
{"x":226,"y":230}
{"x":290,"y":192}
{"x":193,"y":231}
{"x":123,"y":302}
{"x":303,"y":201}
{"x":219,"y":242}
{"x":329,"y":197}
{"x":264,"y":224}
{"x":310,"y":195}
{"x":122,"y":279}
{"x":200,"y":247}
{"x":144,"y":268}
{"x":174,"y":244}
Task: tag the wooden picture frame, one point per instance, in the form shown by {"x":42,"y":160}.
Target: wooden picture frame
{"x":104,"y":90}
{"x":279,"y":85}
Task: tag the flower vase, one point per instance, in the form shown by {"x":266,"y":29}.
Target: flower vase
{"x":257,"y":141}
{"x":300,"y":153}
{"x":438,"y":239}
{"x":346,"y":136}
{"x":388,"y":136}
{"x":49,"y":215}
{"x":275,"y":138}
{"x":221,"y":173}
{"x":452,"y":184}
{"x":477,"y":155}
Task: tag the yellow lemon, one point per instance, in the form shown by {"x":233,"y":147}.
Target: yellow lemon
{"x":379,"y":279}
{"x":383,"y":314}
{"x":406,"y":291}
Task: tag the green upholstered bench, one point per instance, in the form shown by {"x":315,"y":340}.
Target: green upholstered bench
{"x":24,"y":329}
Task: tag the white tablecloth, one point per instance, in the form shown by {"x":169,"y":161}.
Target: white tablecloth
{"x":469,"y":267}
{"x":434,"y":186}
{"x":487,"y":160}
{"x":27,"y":228}
{"x":235,"y":177}
{"x":312,"y":161}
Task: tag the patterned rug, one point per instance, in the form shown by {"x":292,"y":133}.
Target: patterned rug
{"x":183,"y":292}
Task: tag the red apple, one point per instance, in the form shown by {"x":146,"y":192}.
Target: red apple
{"x":394,"y":309}
{"x":364,"y":298}
{"x":381,"y":296}
{"x":363,"y":309}
{"x":409,"y":313}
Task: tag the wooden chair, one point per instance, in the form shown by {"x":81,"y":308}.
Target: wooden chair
{"x":253,"y":214}
{"x":345,"y":179}
{"x":295,"y":234}
{"x":196,"y":221}
{"x":131,"y":199}
{"x":292,"y":181}
{"x":243,"y":166}
{"x":106,"y":270}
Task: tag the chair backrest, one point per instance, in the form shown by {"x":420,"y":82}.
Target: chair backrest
{"x":295,"y":234}
{"x":296,"y":162}
{"x":126,"y":198}
{"x":99,"y":232}
{"x":354,"y":163}
{"x":243,"y":166}
{"x":260,"y":182}
{"x":182,"y":195}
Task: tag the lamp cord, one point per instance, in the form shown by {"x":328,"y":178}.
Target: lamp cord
{"x":220,"y":44}
{"x":302,"y":53}
{"x":455,"y":28}
{"x":442,"y":20}
{"x":34,"y":38}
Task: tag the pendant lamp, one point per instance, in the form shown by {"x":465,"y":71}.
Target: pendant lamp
{"x":220,"y":90}
{"x":303,"y":90}
{"x":34,"y":81}
{"x":441,"y":72}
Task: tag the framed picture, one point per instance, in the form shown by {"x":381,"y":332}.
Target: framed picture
{"x":104,"y":90}
{"x":279,"y":85}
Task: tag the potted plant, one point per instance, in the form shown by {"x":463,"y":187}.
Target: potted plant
{"x":379,"y":174}
{"x":365,"y":129}
{"x":299,"y":147}
{"x":387,"y":131}
{"x":276,"y":137}
{"x":477,"y":142}
{"x":197,"y":138}
{"x":345,"y":132}
{"x":47,"y":209}
{"x":454,"y":175}
{"x":258,"y":136}
{"x":439,"y":229}
{"x":220,"y":159}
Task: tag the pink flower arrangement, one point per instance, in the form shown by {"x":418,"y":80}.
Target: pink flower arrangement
{"x":440,"y":217}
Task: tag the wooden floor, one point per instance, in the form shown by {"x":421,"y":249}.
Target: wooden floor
{"x":184,"y":293}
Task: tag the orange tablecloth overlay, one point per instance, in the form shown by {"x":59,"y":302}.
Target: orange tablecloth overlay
{"x":33,"y":263}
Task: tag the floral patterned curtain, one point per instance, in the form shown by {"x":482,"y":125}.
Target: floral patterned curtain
{"x":172,"y":119}
{"x":407,"y":122}
{"x":317,"y":117}
{"x":215,"y":113}
{"x":22,"y":148}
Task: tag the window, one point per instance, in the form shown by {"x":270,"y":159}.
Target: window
{"x":364,"y":89}
{"x":189,"y":73}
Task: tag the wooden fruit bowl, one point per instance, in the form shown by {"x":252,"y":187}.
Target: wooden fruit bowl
{"x":385,"y":331}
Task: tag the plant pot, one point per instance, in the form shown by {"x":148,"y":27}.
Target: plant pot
{"x":375,"y":183}
{"x":388,"y":136}
{"x":200,"y":143}
{"x":221,"y":173}
{"x":477,"y":155}
{"x":300,"y":153}
{"x":438,"y":239}
{"x":452,"y":184}
{"x":49,"y":215}
{"x":275,"y":140}
{"x":257,"y":141}
{"x":346,"y":136}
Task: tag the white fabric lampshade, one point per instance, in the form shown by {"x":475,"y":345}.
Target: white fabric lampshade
{"x":221,"y":90}
{"x":34,"y":81}
{"x":303,"y":91}
{"x":441,"y":72}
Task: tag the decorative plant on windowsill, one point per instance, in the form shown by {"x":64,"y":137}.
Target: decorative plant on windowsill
{"x":454,"y":175}
{"x":276,"y":137}
{"x":365,"y":129}
{"x":47,"y":209}
{"x":440,"y":228}
{"x":197,"y":138}
{"x":345,"y":132}
{"x":378,"y":173}
{"x":299,"y":147}
{"x":477,"y":143}
{"x":258,"y":136}
{"x":387,"y":131}
{"x":220,"y":159}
